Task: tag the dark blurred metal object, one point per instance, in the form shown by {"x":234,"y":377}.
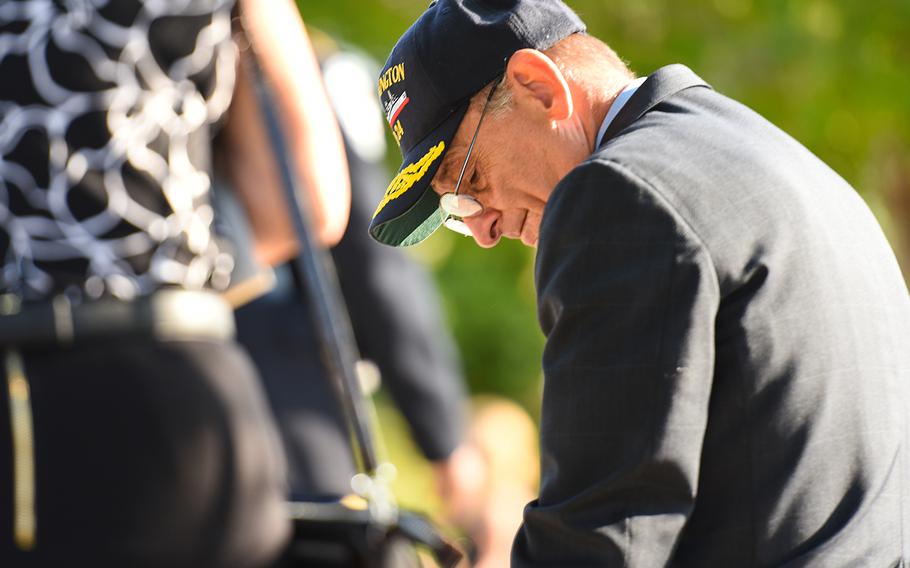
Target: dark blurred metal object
{"x":321,"y":290}
{"x":333,"y":533}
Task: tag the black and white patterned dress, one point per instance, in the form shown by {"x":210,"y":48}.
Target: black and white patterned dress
{"x":105,"y":115}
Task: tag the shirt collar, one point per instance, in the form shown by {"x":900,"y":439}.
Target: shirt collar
{"x":617,"y":105}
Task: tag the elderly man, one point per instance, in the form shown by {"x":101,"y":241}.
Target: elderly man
{"x":726,"y":364}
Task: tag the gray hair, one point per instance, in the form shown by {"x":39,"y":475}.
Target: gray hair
{"x":582,"y":59}
{"x":502,"y":99}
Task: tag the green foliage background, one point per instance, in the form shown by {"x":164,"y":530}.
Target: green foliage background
{"x":835,"y":75}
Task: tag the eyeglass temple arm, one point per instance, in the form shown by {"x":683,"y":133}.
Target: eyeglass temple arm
{"x":483,"y":112}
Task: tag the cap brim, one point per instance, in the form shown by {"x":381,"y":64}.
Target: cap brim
{"x":409,"y":211}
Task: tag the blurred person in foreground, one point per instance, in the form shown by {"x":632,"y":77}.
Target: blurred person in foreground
{"x":390,"y":298}
{"x":133,"y":431}
{"x":726,"y":365}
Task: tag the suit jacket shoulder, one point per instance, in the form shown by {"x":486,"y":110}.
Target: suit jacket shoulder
{"x":726,"y":368}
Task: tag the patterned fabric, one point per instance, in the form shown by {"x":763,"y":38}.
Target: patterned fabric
{"x":105,"y":115}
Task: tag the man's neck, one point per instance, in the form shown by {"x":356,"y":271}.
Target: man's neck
{"x":600,"y":104}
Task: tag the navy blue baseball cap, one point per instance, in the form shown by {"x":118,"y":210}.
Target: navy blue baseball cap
{"x":449,"y":54}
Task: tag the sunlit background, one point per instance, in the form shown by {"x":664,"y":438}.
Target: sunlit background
{"x":835,"y":75}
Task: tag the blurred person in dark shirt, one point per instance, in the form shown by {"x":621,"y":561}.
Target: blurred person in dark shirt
{"x":133,"y":431}
{"x":396,"y":319}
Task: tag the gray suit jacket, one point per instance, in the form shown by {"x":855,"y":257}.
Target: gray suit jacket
{"x":727,"y":356}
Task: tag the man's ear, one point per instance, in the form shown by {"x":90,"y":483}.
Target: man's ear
{"x":536,"y":79}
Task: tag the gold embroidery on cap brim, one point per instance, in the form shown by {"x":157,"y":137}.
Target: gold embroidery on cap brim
{"x":410,"y":175}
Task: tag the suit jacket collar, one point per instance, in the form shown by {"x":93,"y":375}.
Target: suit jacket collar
{"x":663,"y":83}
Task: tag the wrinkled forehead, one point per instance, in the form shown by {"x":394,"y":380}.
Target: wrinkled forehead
{"x":455,"y":154}
{"x":476,"y":104}
{"x":454,"y":158}
{"x":444,"y":180}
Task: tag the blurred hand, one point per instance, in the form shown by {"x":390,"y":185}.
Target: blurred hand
{"x":461,"y":482}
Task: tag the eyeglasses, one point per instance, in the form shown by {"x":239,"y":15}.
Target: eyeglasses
{"x":458,"y":207}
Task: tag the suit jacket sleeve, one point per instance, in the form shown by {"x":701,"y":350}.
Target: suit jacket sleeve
{"x":627,"y":297}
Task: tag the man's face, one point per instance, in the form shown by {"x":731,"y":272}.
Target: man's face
{"x":509,"y":172}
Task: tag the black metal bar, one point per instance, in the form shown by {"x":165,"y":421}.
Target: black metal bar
{"x":321,"y":293}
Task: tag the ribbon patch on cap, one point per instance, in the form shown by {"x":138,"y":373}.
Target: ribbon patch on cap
{"x":410,"y":175}
{"x":394,"y":107}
